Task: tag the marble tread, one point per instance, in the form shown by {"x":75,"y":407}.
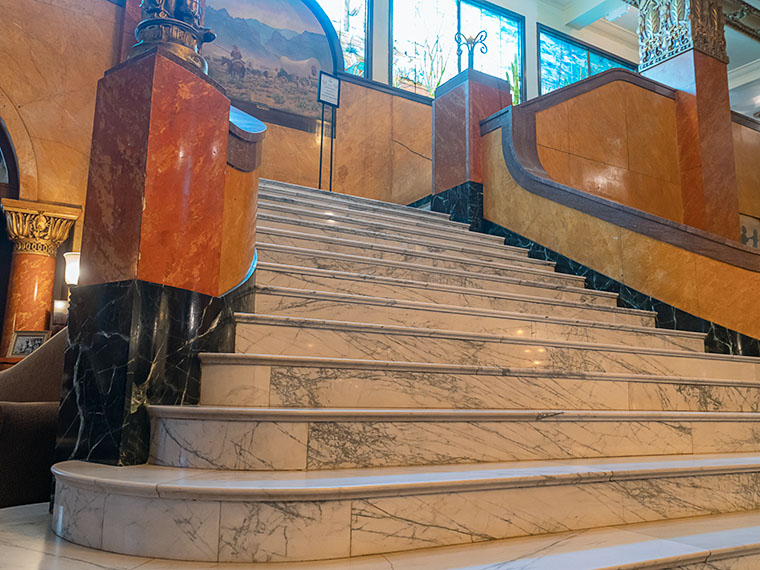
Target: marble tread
{"x":292,"y":276}
{"x":316,"y":241}
{"x":173,"y":482}
{"x":525,"y":276}
{"x":550,"y":285}
{"x":717,"y":542}
{"x":267,"y":187}
{"x":284,"y":301}
{"x":384,"y":231}
{"x":272,"y":334}
{"x":313,"y":382}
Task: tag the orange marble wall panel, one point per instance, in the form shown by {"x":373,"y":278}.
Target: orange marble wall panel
{"x":597,"y":125}
{"x":30,"y":295}
{"x":483,"y":101}
{"x":363,"y":157}
{"x":450,"y":139}
{"x":747,"y":155}
{"x":618,"y":142}
{"x":184,"y":191}
{"x":702,"y":286}
{"x":111,"y":235}
{"x":238,"y":229}
{"x":412,"y":151}
{"x":291,"y":155}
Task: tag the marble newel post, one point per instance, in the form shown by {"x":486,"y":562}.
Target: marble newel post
{"x":36,"y":230}
{"x":459,"y":106}
{"x":168,"y":239}
{"x":683,"y":44}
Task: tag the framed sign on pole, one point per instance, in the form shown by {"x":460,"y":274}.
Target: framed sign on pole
{"x":328,"y":93}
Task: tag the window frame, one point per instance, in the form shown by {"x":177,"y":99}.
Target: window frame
{"x":519,"y":18}
{"x":369,"y":9}
{"x":577,"y":43}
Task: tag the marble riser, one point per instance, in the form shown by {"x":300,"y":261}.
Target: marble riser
{"x":346,"y":200}
{"x":332,"y":387}
{"x":393,"y":237}
{"x":379,"y":344}
{"x":298,"y":444}
{"x":389,"y":265}
{"x":534,"y":286}
{"x":305,"y":210}
{"x":378,"y":240}
{"x":357,"y":284}
{"x":457,"y":236}
{"x":506,"y":266}
{"x":310,"y":305}
{"x":226,"y":531}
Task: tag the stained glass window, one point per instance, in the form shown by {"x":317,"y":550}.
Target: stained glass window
{"x":563,"y":61}
{"x":3,"y":169}
{"x":349,"y":17}
{"x":424,"y":50}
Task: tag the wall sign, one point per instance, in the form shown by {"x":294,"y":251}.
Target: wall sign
{"x":329,"y":89}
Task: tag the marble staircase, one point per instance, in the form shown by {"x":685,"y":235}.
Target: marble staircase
{"x":405,"y":385}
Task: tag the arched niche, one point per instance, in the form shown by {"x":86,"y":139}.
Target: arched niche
{"x":268,"y":54}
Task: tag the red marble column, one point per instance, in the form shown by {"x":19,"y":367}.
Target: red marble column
{"x":705,"y":140}
{"x":155,"y":194}
{"x":459,"y":106}
{"x":36,"y":229}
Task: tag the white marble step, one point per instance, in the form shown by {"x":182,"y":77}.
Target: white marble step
{"x":316,"y":230}
{"x":403,"y":251}
{"x":285,"y":517}
{"x":385,"y":231}
{"x":315,"y":304}
{"x":303,"y":208}
{"x":271,"y":187}
{"x":235,"y":438}
{"x":278,"y":275}
{"x":268,"y":334}
{"x":540,"y":284}
{"x":459,"y":273}
{"x":313,"y":382}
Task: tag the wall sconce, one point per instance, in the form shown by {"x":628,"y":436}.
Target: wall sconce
{"x":71,"y":275}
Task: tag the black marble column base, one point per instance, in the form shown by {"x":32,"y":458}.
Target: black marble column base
{"x":463,"y":202}
{"x":130,"y":344}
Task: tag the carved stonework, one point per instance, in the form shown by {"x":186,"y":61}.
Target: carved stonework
{"x":670,"y":27}
{"x":38,"y":228}
{"x":175,"y":26}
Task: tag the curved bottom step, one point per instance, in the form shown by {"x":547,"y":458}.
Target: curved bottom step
{"x":211,"y":516}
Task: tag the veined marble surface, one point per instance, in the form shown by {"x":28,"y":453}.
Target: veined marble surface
{"x":263,"y":334}
{"x":283,"y":385}
{"x":549,"y":285}
{"x":295,"y":277}
{"x":345,"y":307}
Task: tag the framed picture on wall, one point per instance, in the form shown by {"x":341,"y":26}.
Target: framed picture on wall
{"x":23,"y":343}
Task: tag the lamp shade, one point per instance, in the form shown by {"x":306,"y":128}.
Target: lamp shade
{"x":72,"y":267}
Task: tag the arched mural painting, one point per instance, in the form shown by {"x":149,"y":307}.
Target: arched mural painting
{"x":268,"y":54}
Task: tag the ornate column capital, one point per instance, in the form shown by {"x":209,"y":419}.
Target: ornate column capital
{"x":37,"y":227}
{"x":668,"y":28}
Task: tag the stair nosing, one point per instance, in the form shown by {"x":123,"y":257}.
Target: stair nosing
{"x":268,"y":184}
{"x":443,"y":308}
{"x":400,"y":250}
{"x":347,"y":275}
{"x":246,"y":359}
{"x":371,"y":328}
{"x":432,"y":479}
{"x":262,"y":247}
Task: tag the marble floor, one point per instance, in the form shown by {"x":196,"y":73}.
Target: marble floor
{"x":725,"y":542}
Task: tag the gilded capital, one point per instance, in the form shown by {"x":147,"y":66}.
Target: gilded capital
{"x":37,"y":227}
{"x":668,"y":28}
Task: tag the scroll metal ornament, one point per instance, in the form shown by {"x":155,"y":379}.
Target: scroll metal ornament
{"x":174,"y":26}
{"x":37,"y":232}
{"x":471,"y":42}
{"x":670,"y":27}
